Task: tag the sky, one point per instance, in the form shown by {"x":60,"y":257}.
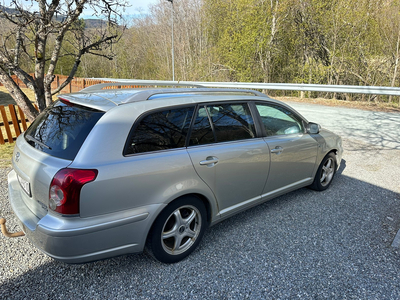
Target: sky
{"x":135,"y":5}
{"x":140,"y":4}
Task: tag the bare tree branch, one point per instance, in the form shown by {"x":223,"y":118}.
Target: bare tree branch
{"x":78,"y":61}
{"x":49,"y":25}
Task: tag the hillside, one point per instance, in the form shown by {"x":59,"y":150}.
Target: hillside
{"x":89,"y":23}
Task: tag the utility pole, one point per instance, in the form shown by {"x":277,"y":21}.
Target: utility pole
{"x":172,"y":39}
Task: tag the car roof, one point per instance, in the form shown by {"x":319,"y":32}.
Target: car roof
{"x":105,"y":99}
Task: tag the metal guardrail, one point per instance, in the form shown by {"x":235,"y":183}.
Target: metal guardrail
{"x":351,"y":89}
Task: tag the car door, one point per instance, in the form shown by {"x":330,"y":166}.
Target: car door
{"x":228,"y":156}
{"x":293,"y":152}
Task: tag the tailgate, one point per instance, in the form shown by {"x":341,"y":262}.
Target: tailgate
{"x":35,"y":170}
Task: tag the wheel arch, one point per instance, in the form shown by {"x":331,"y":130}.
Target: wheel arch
{"x":324,"y":154}
{"x":203,"y":199}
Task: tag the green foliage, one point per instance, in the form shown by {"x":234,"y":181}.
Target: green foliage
{"x":70,"y":48}
{"x":245,"y":37}
{"x":302,"y":41}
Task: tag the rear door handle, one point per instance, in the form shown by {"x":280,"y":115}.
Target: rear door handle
{"x":277,"y":150}
{"x":210,"y":161}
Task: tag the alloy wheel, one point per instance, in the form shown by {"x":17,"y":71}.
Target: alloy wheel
{"x":181,"y":230}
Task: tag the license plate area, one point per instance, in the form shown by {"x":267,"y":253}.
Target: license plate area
{"x":25,"y":185}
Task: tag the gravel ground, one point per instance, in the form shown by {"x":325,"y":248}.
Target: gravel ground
{"x":334,"y":244}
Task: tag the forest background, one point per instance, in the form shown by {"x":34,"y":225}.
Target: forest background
{"x":341,"y":42}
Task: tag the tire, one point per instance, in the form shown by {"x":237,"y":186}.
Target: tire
{"x":177,"y":230}
{"x":325,"y":173}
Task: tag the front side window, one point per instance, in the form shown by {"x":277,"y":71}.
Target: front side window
{"x":278,"y":120}
{"x":161,"y":131}
{"x":222,"y":123}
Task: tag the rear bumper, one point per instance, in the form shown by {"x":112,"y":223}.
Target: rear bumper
{"x":79,"y":240}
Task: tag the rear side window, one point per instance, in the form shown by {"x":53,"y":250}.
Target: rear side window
{"x":61,"y":129}
{"x":202,"y":132}
{"x":160,"y":130}
{"x":222,"y":123}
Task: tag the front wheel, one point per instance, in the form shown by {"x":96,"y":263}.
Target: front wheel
{"x":325,"y":173}
{"x":178,"y":230}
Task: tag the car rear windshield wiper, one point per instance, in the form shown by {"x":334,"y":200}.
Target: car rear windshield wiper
{"x":32,"y":139}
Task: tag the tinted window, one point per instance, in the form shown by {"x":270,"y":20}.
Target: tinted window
{"x":202,"y":132}
{"x":161,"y":130}
{"x":278,"y":120}
{"x":61,"y":129}
{"x":230,"y":122}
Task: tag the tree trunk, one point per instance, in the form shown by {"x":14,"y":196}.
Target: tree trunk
{"x":47,"y":89}
{"x":396,"y":64}
{"x":16,"y":93}
{"x":41,"y":40}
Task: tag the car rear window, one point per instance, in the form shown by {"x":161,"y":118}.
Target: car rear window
{"x":62,"y":128}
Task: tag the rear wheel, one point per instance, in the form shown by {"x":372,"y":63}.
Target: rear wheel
{"x":178,"y":230}
{"x":325,"y":173}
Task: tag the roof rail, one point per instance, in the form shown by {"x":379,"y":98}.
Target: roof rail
{"x":136,"y":84}
{"x":168,"y":92}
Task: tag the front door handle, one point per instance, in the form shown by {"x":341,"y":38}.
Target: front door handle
{"x":277,"y":150}
{"x":210,"y":161}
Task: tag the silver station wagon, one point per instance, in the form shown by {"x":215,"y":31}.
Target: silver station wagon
{"x":106,"y":172}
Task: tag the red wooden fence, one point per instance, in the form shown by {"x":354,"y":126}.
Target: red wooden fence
{"x":75,"y":85}
{"x":14,"y":122}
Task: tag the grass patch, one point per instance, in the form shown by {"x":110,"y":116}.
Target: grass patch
{"x":6,"y":152}
{"x":6,"y":99}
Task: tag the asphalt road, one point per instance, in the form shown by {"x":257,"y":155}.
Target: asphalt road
{"x":334,"y":244}
{"x":372,"y":127}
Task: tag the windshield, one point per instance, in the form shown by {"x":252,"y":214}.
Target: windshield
{"x":61,"y":129}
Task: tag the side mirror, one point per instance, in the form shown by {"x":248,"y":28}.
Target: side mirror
{"x":313,"y":128}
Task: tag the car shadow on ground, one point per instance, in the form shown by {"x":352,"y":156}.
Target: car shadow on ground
{"x":306,"y":244}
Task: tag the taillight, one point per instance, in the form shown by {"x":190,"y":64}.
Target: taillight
{"x":65,"y":189}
